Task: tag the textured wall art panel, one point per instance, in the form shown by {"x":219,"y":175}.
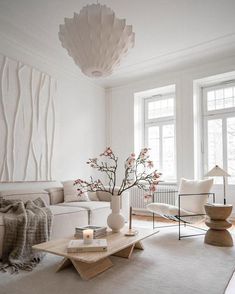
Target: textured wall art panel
{"x":27,"y":122}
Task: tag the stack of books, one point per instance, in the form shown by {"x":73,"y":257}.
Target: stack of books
{"x":98,"y":232}
{"x":76,"y":246}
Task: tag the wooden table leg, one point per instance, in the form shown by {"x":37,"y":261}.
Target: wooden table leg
{"x":64,"y":263}
{"x":126,"y":252}
{"x":139,"y":245}
{"x":86,"y":270}
{"x":90,"y":270}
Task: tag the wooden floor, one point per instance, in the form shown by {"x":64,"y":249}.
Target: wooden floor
{"x":164,"y":220}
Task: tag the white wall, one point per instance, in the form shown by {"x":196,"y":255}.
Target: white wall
{"x":80,"y":115}
{"x":121,"y":113}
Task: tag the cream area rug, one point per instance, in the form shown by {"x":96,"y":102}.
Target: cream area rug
{"x":166,"y":266}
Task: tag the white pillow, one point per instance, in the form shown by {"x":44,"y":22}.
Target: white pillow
{"x":196,"y":202}
{"x":71,"y":193}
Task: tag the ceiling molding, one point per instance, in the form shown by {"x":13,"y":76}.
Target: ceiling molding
{"x":179,"y":60}
{"x":28,"y":46}
{"x":54,"y":62}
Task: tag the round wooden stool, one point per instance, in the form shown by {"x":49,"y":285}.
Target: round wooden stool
{"x":218,"y":235}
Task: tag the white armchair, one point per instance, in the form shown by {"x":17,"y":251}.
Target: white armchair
{"x":192,"y":197}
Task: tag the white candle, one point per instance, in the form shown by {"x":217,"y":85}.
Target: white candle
{"x":88,"y":236}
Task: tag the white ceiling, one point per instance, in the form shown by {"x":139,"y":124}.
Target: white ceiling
{"x":169,"y":33}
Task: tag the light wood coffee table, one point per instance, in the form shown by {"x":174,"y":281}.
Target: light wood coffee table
{"x":90,"y":264}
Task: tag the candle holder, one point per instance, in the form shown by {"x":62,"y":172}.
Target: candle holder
{"x":131,"y":232}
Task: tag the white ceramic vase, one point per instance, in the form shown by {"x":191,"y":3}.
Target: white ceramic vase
{"x":116,"y":220}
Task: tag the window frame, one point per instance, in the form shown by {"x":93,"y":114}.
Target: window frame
{"x":208,"y":115}
{"x":160,"y":122}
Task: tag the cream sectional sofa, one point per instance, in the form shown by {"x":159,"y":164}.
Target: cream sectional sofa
{"x":68,"y":215}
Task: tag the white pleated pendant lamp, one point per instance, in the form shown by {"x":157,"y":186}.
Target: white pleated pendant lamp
{"x":96,"y":39}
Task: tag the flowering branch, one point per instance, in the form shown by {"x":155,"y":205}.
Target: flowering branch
{"x":135,"y":173}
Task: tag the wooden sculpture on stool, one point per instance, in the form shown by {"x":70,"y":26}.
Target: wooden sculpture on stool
{"x":218,"y":235}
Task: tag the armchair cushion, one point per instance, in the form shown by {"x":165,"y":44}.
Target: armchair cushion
{"x":166,"y":209}
{"x":194,"y":203}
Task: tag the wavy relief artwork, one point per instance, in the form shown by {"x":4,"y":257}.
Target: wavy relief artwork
{"x":27,"y":122}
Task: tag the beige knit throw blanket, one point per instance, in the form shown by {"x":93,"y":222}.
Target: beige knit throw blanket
{"x":26,"y":224}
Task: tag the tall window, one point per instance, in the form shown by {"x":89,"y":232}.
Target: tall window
{"x":219,"y":128}
{"x":160,"y":133}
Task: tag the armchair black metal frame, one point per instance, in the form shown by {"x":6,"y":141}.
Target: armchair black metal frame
{"x":178,"y":218}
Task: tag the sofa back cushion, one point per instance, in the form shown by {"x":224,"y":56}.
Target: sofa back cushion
{"x":56,"y":195}
{"x":93,"y":196}
{"x":25,"y":195}
{"x":104,"y":196}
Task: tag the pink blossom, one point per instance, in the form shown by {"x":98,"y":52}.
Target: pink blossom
{"x":144,"y":153}
{"x":78,"y":182}
{"x":130,"y":162}
{"x":149,"y":164}
{"x":152,"y":188}
{"x":108,"y":152}
{"x":156,"y":175}
{"x":147,"y":197}
{"x":80,"y":192}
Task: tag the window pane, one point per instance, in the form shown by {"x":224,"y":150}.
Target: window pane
{"x":215,"y":147}
{"x":231,"y":149}
{"x":221,"y":98}
{"x":153,"y":144}
{"x":211,"y":100}
{"x":168,"y":151}
{"x":161,"y":108}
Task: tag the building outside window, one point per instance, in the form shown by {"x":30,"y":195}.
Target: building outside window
{"x":159,"y":133}
{"x":218,"y":105}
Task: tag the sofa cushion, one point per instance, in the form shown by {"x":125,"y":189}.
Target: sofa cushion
{"x":98,"y":211}
{"x":66,"y":219}
{"x":71,"y":193}
{"x":93,"y":196}
{"x":91,"y":205}
{"x":104,"y":196}
{"x":26,"y":195}
{"x":57,"y":209}
{"x":56,"y":195}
